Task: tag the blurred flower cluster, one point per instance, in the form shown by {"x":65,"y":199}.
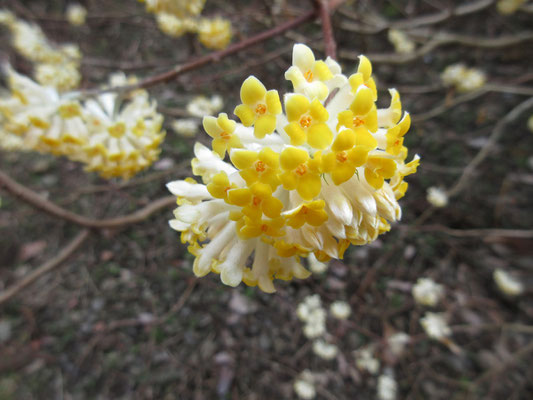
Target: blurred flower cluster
{"x":366,"y":358}
{"x":507,"y":7}
{"x":401,"y":42}
{"x":508,"y":284}
{"x":427,"y":293}
{"x":325,"y":174}
{"x":178,"y":17}
{"x":76,"y":14}
{"x":55,"y":65}
{"x":437,"y":197}
{"x":463,"y":78}
{"x":199,"y":106}
{"x":114,"y":135}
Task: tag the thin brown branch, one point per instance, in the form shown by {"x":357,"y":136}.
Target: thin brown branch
{"x":446,"y":105}
{"x":487,"y":232}
{"x":429,"y":19}
{"x":498,"y":131}
{"x":441,"y":39}
{"x":468,"y":171}
{"x":211,"y":57}
{"x":123,"y":323}
{"x":37,"y":201}
{"x":264,"y":60}
{"x":499,"y":368}
{"x":63,"y":255}
{"x":325,"y":18}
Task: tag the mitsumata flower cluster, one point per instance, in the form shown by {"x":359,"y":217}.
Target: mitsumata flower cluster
{"x":178,"y":17}
{"x":54,"y":65}
{"x":312,"y":176}
{"x":112,"y":135}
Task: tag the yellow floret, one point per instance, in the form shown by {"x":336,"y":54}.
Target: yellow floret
{"x":307,"y":122}
{"x":259,"y":107}
{"x":311,"y":213}
{"x":378,"y":169}
{"x":300,"y":172}
{"x":219,"y":186}
{"x":221,"y":129}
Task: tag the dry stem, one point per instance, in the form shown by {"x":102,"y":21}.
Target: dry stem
{"x":37,"y":201}
{"x":211,"y":57}
{"x":65,"y":253}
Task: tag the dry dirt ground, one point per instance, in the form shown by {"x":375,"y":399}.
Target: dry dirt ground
{"x":126,"y":319}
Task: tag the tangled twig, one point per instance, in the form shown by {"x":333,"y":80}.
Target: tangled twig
{"x":327,"y":30}
{"x":441,"y":39}
{"x":498,"y":131}
{"x":37,"y":201}
{"x":430,"y":19}
{"x":63,"y":255}
{"x":209,"y":58}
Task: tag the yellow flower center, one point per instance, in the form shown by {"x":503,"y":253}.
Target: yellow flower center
{"x":260,"y":109}
{"x":260,"y":166}
{"x":117,"y":130}
{"x":225,"y":135}
{"x":256,"y":201}
{"x":264,"y":228}
{"x":341,"y":156}
{"x":301,"y":169}
{"x":308,"y":76}
{"x":305,"y":121}
{"x":304,"y":210}
{"x":358,"y":122}
{"x":69,"y":111}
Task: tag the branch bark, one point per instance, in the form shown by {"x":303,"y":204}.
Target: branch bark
{"x":63,"y":255}
{"x":498,"y":131}
{"x":37,"y":201}
{"x":211,"y":57}
{"x":329,"y":40}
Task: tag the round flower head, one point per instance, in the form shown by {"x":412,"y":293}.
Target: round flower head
{"x":174,"y":26}
{"x":115,"y":139}
{"x":401,"y":42}
{"x":427,"y":292}
{"x":7,"y":18}
{"x":325,"y":350}
{"x":214,"y":33}
{"x":437,"y":197}
{"x":340,"y":309}
{"x":10,"y":141}
{"x":508,"y":7}
{"x":63,"y":77}
{"x":30,"y":41}
{"x":124,"y":138}
{"x":43,"y":120}
{"x":304,"y":386}
{"x":201,"y":106}
{"x":507,"y":283}
{"x":76,"y":14}
{"x":311,"y":180}
{"x":179,"y":8}
{"x":365,"y":360}
{"x":463,"y":78}
{"x":387,"y":387}
{"x":530,"y":124}
{"x":186,"y":127}
{"x":435,"y":325}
